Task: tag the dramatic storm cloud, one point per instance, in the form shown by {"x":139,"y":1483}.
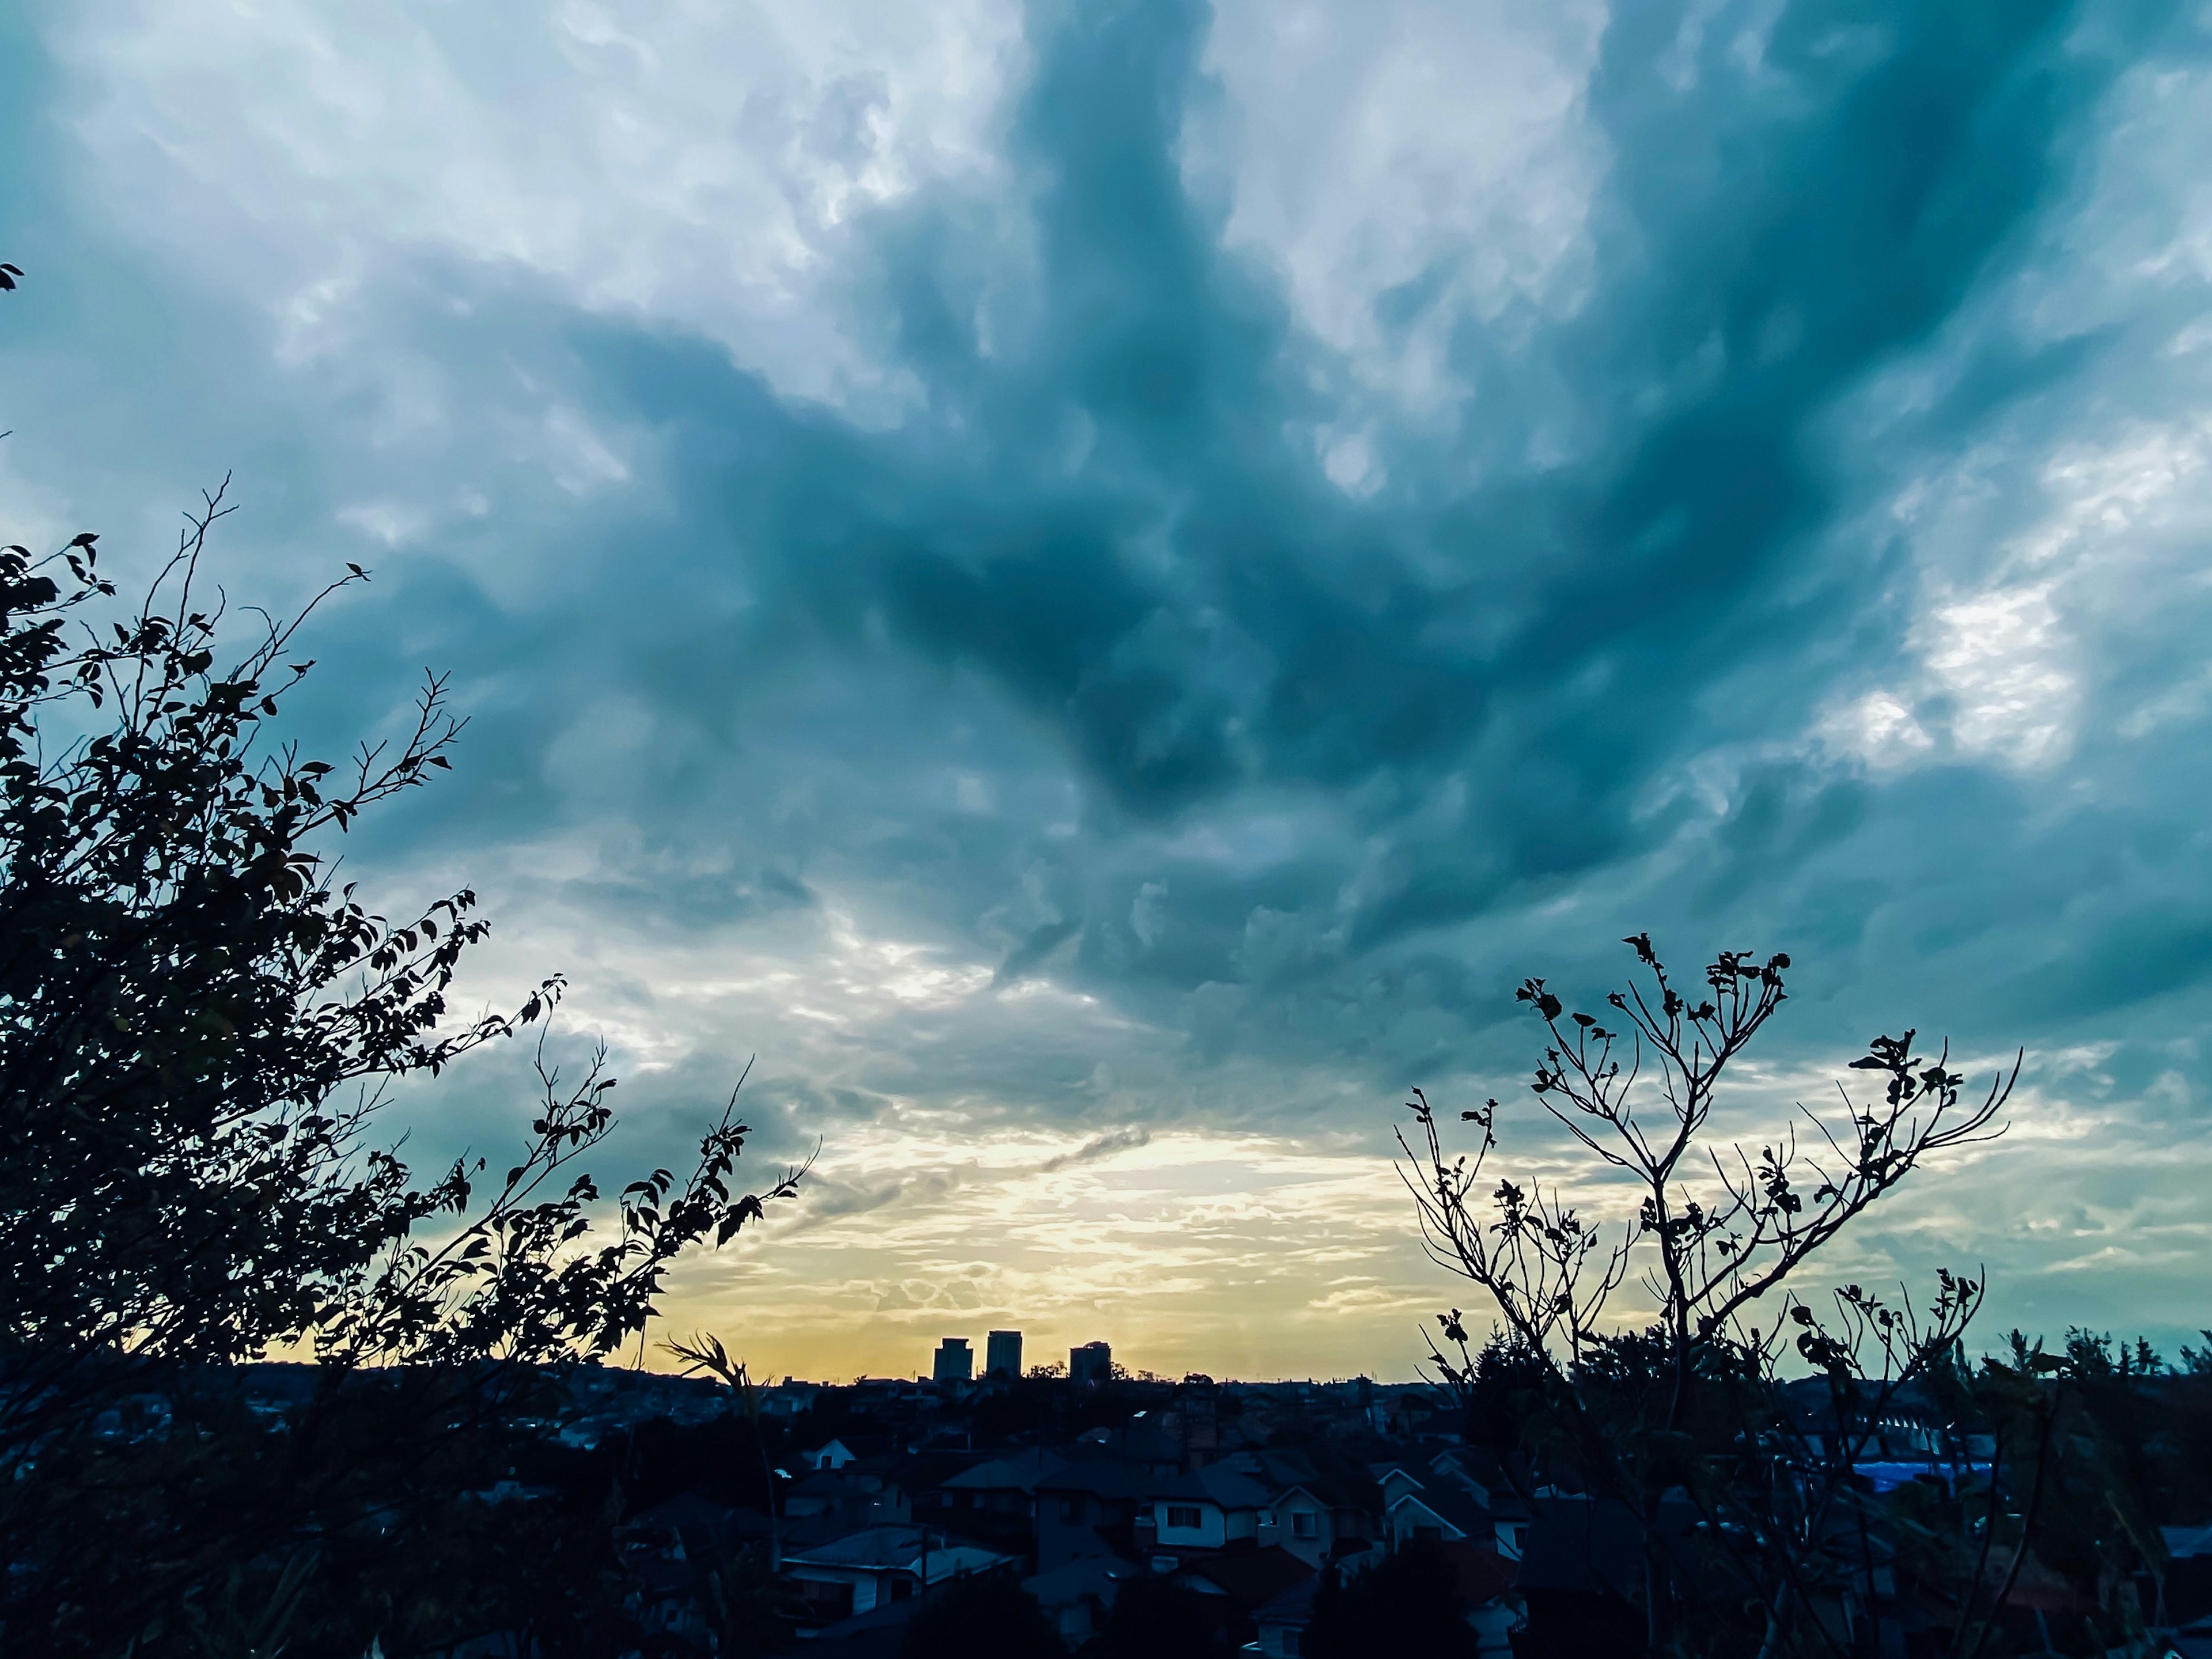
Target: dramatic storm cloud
{"x":1097,"y":582}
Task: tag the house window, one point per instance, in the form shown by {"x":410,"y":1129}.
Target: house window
{"x":1071,"y":1508}
{"x":1293,"y":1641}
{"x":1428,"y":1534}
{"x":1180,"y":1517}
{"x":1304,"y":1523}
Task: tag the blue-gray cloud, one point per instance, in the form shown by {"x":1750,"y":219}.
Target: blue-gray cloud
{"x":1812,"y":565}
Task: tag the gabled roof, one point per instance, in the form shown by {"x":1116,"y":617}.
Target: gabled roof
{"x":1022,"y":1471}
{"x":1473,"y":1466}
{"x":1274,"y":1467}
{"x":898,"y":1549}
{"x":1294,"y":1607}
{"x":1333,"y":1493}
{"x":1329,"y":1476}
{"x":881,"y":1548}
{"x":1140,"y":1441}
{"x":1101,"y":1477}
{"x":2184,"y":1542}
{"x":1478,"y":1574}
{"x":921,"y":1471}
{"x":1450,"y":1503}
{"x":1093,"y":1576}
{"x":1223,"y":1488}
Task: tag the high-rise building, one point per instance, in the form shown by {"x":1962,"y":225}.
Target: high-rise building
{"x":1092,"y":1363}
{"x":1002,"y":1354}
{"x":956,"y":1360}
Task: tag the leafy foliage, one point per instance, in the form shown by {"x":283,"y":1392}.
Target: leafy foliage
{"x":198,"y":1024}
{"x":1406,"y":1603}
{"x":1153,"y":1619}
{"x":1691,"y":1409}
{"x":980,"y":1615}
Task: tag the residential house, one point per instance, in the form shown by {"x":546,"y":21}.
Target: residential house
{"x":831,"y":1454}
{"x":1485,"y":1583}
{"x":1144,"y":1440}
{"x":1322,"y":1510}
{"x":1235,"y":1584}
{"x":787,"y":1400}
{"x":878,"y":1565}
{"x":1481,"y":1476}
{"x":1089,"y":1509}
{"x":1437,"y":1513}
{"x":1208,"y":1508}
{"x":1279,"y":1627}
{"x":996,"y":1502}
{"x":917,"y":1480}
{"x":1323,"y":1518}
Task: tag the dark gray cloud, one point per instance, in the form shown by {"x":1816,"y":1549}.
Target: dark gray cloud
{"x":994,"y":696}
{"x":1105,"y":1145}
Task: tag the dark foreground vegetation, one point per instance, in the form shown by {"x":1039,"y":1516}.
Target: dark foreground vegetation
{"x":1664,"y":1433}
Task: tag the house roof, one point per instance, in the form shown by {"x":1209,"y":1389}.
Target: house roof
{"x":1250,"y":1578}
{"x":1140,"y":1441}
{"x":1274,"y":1465}
{"x":1478,"y":1574}
{"x":1471,"y":1467}
{"x":1452,"y":1504}
{"x":885,"y":1547}
{"x":1024,"y":1472}
{"x":920,"y":1471}
{"x":1294,"y":1607}
{"x":1097,"y":1576}
{"x":1335,"y":1493}
{"x":1223,"y":1488}
{"x":2182,"y":1541}
{"x":898,"y":1549}
{"x":1328,"y":1476}
{"x":1101,"y":1477}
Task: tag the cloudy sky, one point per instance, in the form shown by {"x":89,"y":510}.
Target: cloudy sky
{"x":1095,"y":582}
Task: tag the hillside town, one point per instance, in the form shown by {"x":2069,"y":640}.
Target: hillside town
{"x":866,"y":1501}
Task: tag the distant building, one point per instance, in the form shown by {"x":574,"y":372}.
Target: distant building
{"x":1092,"y":1363}
{"x":1003,"y":1354}
{"x":956,"y":1360}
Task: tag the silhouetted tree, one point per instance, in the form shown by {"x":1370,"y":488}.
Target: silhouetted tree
{"x":198,"y":1027}
{"x":977,"y":1616}
{"x":1721,"y":1236}
{"x":1155,"y":1620}
{"x":1407,"y":1603}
